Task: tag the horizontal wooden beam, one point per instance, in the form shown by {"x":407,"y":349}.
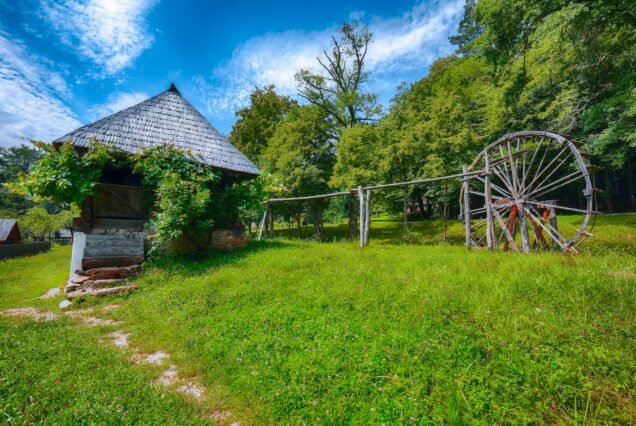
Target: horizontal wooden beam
{"x":309,"y":197}
{"x":370,"y":188}
{"x":428,"y":180}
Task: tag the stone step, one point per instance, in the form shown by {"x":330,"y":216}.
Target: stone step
{"x":101,"y":291}
{"x":95,"y":284}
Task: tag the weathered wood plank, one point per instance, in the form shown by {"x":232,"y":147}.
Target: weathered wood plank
{"x":114,"y":245}
{"x":104,"y":262}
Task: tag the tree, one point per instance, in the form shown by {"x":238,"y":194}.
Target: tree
{"x":338,"y":90}
{"x":257,"y":123}
{"x":301,"y":155}
{"x":39,"y":225}
{"x":13,"y":161}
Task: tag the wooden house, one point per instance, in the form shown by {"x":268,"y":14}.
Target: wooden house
{"x":110,"y":229}
{"x":9,"y":232}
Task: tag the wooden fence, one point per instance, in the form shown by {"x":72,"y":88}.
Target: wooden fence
{"x":23,"y":249}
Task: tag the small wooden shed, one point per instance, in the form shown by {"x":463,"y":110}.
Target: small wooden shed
{"x":9,"y":232}
{"x":110,"y":229}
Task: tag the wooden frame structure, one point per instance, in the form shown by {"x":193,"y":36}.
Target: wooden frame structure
{"x":513,"y":191}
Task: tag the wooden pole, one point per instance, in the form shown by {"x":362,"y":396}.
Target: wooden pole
{"x":523,"y":227}
{"x":260,"y":229}
{"x":367,"y":217}
{"x":466,"y":209}
{"x":490,"y":237}
{"x":445,"y":212}
{"x":553,"y":223}
{"x":362,"y":216}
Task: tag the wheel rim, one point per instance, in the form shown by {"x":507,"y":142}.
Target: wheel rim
{"x":535,"y":177}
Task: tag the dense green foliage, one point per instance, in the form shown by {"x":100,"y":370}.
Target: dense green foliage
{"x":256,"y":125}
{"x":299,"y":332}
{"x":63,"y":174}
{"x":568,"y":67}
{"x":13,"y":161}
{"x":38,"y":224}
{"x":182,"y":193}
{"x":185,"y":195}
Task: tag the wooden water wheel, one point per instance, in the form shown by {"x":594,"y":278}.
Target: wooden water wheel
{"x":529,"y":179}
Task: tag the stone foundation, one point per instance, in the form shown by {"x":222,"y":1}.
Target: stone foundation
{"x":228,"y":240}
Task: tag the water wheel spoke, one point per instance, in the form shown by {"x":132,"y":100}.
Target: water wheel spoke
{"x":505,"y":172}
{"x":556,"y":206}
{"x":526,"y":173}
{"x":553,"y":171}
{"x":572,"y":177}
{"x":496,"y":187}
{"x":541,"y":171}
{"x":513,"y":168}
{"x":505,"y":232}
{"x":554,"y":234}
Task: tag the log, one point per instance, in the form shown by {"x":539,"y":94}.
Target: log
{"x":523,"y":227}
{"x":367,"y":217}
{"x":104,"y":262}
{"x":466,"y":208}
{"x":114,"y":245}
{"x":362,"y":216}
{"x":108,"y":273}
{"x":490,"y":231}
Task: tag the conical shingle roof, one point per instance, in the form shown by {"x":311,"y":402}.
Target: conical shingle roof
{"x":165,"y":118}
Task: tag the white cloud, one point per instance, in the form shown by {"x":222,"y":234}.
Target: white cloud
{"x":401,"y":45}
{"x":30,"y":97}
{"x":116,"y":102}
{"x":110,"y":33}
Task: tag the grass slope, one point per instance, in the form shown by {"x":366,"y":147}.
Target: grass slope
{"x":54,"y":373}
{"x":300,"y":332}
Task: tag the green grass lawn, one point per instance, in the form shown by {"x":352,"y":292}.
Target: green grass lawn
{"x":301,"y":332}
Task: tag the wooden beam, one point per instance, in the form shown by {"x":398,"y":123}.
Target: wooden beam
{"x":466,"y":208}
{"x":309,"y":197}
{"x":362,"y":215}
{"x":435,"y":179}
{"x":260,"y":229}
{"x":367,"y":217}
{"x":490,"y":231}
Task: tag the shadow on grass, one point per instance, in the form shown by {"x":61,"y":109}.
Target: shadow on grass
{"x":212,"y":259}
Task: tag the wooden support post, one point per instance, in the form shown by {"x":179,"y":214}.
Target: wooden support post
{"x":490,"y":230}
{"x":523,"y":227}
{"x":553,"y":224}
{"x":262,"y":225}
{"x":445,"y":212}
{"x":466,"y":208}
{"x":367,"y":217}
{"x":362,"y":215}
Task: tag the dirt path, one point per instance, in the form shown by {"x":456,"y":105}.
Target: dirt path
{"x":170,"y":377}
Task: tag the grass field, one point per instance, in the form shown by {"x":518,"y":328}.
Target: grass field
{"x":301,"y":332}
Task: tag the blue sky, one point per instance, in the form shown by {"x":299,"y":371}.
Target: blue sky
{"x":64,"y":63}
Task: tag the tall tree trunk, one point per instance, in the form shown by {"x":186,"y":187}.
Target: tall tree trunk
{"x":318,"y":230}
{"x":353,"y":219}
{"x":299,"y":219}
{"x":420,"y":202}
